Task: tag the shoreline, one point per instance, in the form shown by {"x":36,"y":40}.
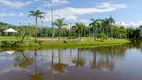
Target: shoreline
{"x":68,"y":44}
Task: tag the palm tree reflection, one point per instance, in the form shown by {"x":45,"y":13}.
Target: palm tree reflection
{"x":37,"y":75}
{"x":93,"y":66}
{"x":105,"y":62}
{"x":59,"y":67}
{"x":23,"y":61}
{"x":79,"y":61}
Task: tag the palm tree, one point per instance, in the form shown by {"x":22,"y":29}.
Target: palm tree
{"x":111,"y":21}
{"x":37,"y":14}
{"x":106,"y":24}
{"x":60,"y":23}
{"x":84,"y":29}
{"x":79,"y":27}
{"x":93,"y":25}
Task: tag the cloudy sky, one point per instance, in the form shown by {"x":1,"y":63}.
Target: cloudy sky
{"x":126,"y":12}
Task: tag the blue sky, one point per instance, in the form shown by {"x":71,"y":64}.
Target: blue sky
{"x":128,"y":12}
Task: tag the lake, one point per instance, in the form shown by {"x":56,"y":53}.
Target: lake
{"x":122,"y":62}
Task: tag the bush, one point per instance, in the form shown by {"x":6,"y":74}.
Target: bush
{"x":102,"y":36}
{"x":72,"y":37}
{"x":9,"y":43}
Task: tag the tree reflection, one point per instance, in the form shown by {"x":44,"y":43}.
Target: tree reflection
{"x":106,"y":64}
{"x":59,"y":66}
{"x":79,"y":61}
{"x":23,"y":61}
{"x":36,"y":75}
{"x":93,"y":66}
{"x":105,"y":61}
{"x":117,"y":50}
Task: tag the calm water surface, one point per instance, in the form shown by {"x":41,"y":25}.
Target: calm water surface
{"x":123,"y":62}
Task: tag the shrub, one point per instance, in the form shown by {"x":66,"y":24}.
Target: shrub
{"x":72,"y":37}
{"x":102,"y":36}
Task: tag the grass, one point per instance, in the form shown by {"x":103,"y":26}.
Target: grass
{"x":14,"y":38}
{"x":76,"y":44}
{"x":48,"y":44}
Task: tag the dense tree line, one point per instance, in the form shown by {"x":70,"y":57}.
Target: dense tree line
{"x":98,"y":28}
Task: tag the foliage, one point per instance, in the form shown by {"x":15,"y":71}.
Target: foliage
{"x":37,"y":14}
{"x":72,"y":37}
{"x":102,"y":36}
{"x":60,"y":24}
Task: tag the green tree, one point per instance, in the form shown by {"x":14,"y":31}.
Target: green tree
{"x":60,"y":23}
{"x":79,"y":27}
{"x":37,"y":14}
{"x":111,"y":21}
{"x":94,"y":26}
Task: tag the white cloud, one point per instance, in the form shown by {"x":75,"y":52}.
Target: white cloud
{"x":71,"y":13}
{"x":36,"y":0}
{"x":129,"y":24}
{"x":21,"y":14}
{"x":10,"y":14}
{"x":107,"y":5}
{"x":15,"y":4}
{"x":54,"y":3}
{"x":60,"y":1}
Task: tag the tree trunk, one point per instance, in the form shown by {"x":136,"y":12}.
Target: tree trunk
{"x":84,"y":34}
{"x":94,"y":33}
{"x":52,"y":24}
{"x":81,"y":34}
{"x":111,"y":33}
{"x":59,"y":56}
{"x":35,"y":62}
{"x":59,"y":34}
{"x":78,"y":34}
{"x":52,"y":64}
{"x":107,"y":31}
{"x":89,"y":31}
{"x":35,"y":29}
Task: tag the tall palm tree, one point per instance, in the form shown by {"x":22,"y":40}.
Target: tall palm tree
{"x":79,"y":28}
{"x":106,"y":23}
{"x":93,"y":25}
{"x":60,"y":23}
{"x":84,"y":29}
{"x":37,"y":14}
{"x":99,"y":25}
{"x":104,"y":26}
{"x":111,"y":21}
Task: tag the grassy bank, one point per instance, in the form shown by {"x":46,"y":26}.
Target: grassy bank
{"x":74,"y":44}
{"x":48,"y":44}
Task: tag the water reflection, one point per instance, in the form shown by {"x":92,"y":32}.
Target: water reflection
{"x":36,"y":75}
{"x":59,"y":66}
{"x":23,"y":60}
{"x":79,"y":61}
{"x":62,"y":64}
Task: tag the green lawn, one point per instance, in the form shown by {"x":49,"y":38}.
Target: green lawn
{"x":86,"y":42}
{"x":14,"y":38}
{"x":89,"y":42}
